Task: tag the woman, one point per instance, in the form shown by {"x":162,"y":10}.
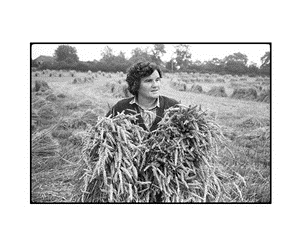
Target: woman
{"x":144,"y":82}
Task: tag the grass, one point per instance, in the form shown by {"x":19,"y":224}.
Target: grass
{"x":245,"y":124}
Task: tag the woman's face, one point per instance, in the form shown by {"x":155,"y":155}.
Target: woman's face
{"x":150,"y":86}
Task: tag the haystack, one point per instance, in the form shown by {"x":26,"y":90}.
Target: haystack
{"x":85,"y":103}
{"x":51,"y":97}
{"x":72,"y":73}
{"x":40,"y":85}
{"x":118,"y":90}
{"x":77,"y":138}
{"x":77,"y":80}
{"x":217,"y":91}
{"x":208,"y":80}
{"x":43,"y":147}
{"x":88,"y":79}
{"x":251,"y":122}
{"x":90,"y":117}
{"x":34,"y":120}
{"x":220,"y":80}
{"x":244,"y":93}
{"x":61,"y":95}
{"x":38,"y":102}
{"x":176,"y":163}
{"x":196,"y":88}
{"x":47,"y":112}
{"x":70,"y":105}
{"x":264,"y":96}
{"x":77,"y":123}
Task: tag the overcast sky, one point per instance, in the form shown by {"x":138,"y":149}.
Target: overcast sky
{"x":202,"y":52}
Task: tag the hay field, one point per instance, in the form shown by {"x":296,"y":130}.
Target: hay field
{"x":62,"y":114}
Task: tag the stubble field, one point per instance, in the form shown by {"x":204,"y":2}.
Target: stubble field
{"x":66,"y":111}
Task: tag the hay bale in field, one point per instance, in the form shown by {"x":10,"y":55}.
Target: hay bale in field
{"x":47,"y":112}
{"x":62,"y":130}
{"x":90,"y":117}
{"x":51,"y":97}
{"x":89,"y":72}
{"x":182,"y":86}
{"x":208,"y":80}
{"x":196,"y":88}
{"x":53,"y":73}
{"x":88,"y":79}
{"x":100,"y":111}
{"x":251,"y":122}
{"x":220,"y":80}
{"x":72,"y":73}
{"x":259,"y":79}
{"x":177,"y":163}
{"x":77,"y":80}
{"x":40,"y":85}
{"x":264,"y":96}
{"x":44,"y":150}
{"x":61,"y":95}
{"x":77,"y":123}
{"x":43,"y":145}
{"x":244,"y":93}
{"x":61,"y":133}
{"x":118,"y":90}
{"x":85,"y":103}
{"x":255,"y":138}
{"x":77,"y":138}
{"x":217,"y":91}
{"x":38,"y":102}
{"x":70,"y":105}
{"x":35,"y":120}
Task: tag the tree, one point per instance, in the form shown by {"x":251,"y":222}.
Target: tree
{"x":265,"y":59}
{"x":113,"y":63}
{"x":237,"y":57}
{"x":66,"y":53}
{"x":236,"y":63}
{"x":183,"y":56}
{"x":265,"y":68}
{"x":107,"y":53}
{"x":253,"y":70}
{"x":157,"y":52}
{"x":139,"y":54}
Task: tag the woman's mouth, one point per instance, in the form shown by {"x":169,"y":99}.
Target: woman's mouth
{"x":154,"y":91}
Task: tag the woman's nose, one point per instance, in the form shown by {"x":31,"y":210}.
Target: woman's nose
{"x":155,"y":83}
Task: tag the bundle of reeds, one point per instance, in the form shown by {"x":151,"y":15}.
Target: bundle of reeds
{"x":111,"y":157}
{"x":181,"y":158}
{"x":178,"y":162}
{"x":217,"y":91}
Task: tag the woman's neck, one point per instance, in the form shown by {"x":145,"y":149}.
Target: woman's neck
{"x":146,"y":102}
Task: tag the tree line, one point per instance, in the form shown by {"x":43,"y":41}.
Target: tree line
{"x":66,"y":58}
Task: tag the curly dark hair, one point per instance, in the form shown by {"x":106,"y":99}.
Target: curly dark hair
{"x":138,"y":71}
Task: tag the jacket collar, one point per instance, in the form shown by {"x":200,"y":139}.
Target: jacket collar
{"x":135,"y":101}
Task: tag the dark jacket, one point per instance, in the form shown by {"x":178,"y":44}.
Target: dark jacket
{"x":124,"y":105}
